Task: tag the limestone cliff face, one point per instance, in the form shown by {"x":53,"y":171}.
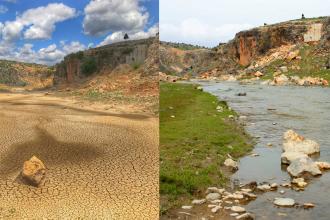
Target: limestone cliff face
{"x":256,"y":49}
{"x":247,"y":45}
{"x":106,"y":58}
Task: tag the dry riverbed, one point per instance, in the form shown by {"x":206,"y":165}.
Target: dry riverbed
{"x":101,"y":162}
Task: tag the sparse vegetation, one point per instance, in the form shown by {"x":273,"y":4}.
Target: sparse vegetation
{"x":183,"y":46}
{"x":311,"y":64}
{"x":136,"y":65}
{"x":88,"y":66}
{"x":194,"y":141}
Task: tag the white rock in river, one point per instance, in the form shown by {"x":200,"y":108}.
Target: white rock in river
{"x":213,"y":196}
{"x":289,"y":156}
{"x":303,"y":165}
{"x":323,"y":165}
{"x":295,"y":142}
{"x":291,"y":135}
{"x":300,"y":182}
{"x":285,"y":202}
{"x":231,"y":163}
{"x":264,"y":187}
{"x":238,"y":209}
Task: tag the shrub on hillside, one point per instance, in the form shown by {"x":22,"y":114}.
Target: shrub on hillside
{"x":88,"y":66}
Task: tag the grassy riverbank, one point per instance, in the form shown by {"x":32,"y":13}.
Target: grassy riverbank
{"x":195,"y":139}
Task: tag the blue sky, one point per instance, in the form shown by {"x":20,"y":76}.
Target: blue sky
{"x":210,"y":22}
{"x":44,"y":31}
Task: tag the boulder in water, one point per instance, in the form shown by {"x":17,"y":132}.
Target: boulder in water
{"x":296,"y":143}
{"x":289,"y":156}
{"x":284,"y":202}
{"x":303,"y":166}
{"x":323,"y":165}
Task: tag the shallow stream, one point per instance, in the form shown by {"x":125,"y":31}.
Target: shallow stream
{"x":270,"y":112}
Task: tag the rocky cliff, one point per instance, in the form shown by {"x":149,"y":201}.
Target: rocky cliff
{"x":297,"y":48}
{"x":136,"y":53}
{"x":30,"y":76}
{"x":182,"y":59}
{"x":248,"y":45}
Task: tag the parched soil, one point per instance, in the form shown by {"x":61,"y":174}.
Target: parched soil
{"x":100,"y":164}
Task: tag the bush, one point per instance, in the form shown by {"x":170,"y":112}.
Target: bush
{"x":88,"y":66}
{"x":80,"y":55}
{"x":136,"y":65}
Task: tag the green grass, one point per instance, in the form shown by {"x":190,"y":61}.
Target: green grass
{"x":310,"y":64}
{"x":194,"y":144}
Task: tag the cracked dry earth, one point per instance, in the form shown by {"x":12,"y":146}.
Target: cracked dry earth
{"x":100,"y":165}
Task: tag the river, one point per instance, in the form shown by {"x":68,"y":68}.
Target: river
{"x":270,"y":112}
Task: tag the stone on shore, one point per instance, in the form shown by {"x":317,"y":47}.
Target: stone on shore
{"x":34,"y":171}
{"x":186,"y":207}
{"x":245,"y":216}
{"x":215,"y":209}
{"x":231,"y":164}
{"x":303,"y":166}
{"x":284,"y":202}
{"x":198,"y":201}
{"x":213,"y":196}
{"x":237,"y":209}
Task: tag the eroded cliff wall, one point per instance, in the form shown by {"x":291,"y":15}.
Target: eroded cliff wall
{"x":247,"y":45}
{"x":106,"y":58}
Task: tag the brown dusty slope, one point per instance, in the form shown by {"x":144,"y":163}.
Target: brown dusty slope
{"x":101,"y":165}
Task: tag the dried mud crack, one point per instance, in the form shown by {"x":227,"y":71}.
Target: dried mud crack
{"x":100,"y":165}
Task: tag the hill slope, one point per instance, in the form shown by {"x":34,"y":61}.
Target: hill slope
{"x":30,"y":76}
{"x":302,"y":47}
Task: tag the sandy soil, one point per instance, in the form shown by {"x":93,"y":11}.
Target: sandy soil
{"x":100,"y":164}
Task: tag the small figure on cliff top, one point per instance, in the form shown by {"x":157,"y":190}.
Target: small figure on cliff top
{"x":302,"y":16}
{"x":126,"y":37}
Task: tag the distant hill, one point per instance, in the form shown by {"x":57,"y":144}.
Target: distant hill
{"x":302,"y":46}
{"x":182,"y":46}
{"x":28,"y":75}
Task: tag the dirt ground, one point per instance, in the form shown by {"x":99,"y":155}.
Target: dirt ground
{"x":101,"y":164}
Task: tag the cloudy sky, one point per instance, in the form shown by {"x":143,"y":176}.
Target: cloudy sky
{"x":209,"y":22}
{"x":44,"y":31}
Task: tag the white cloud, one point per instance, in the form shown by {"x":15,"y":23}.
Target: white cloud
{"x":73,"y":47}
{"x":119,"y":36}
{"x":229,"y":15}
{"x":3,"y":9}
{"x":103,"y":16}
{"x":11,"y":31}
{"x":40,"y":22}
{"x":49,"y":55}
{"x":194,"y":31}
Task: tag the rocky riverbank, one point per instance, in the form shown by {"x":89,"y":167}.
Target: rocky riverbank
{"x":193,"y":150}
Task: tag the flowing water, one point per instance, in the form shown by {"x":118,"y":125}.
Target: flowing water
{"x":270,"y":112}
